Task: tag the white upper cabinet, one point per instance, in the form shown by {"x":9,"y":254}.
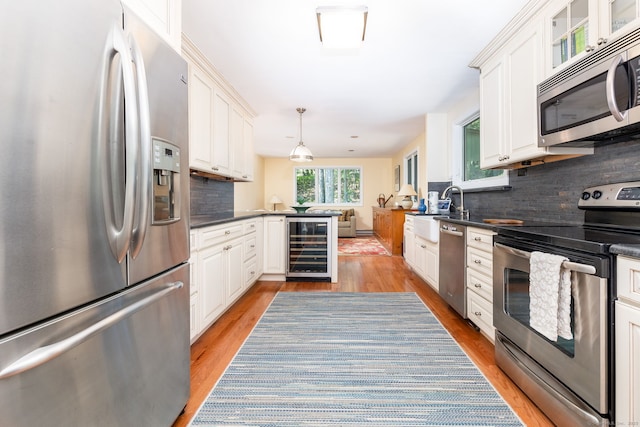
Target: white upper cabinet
{"x":163,"y":16}
{"x":618,"y":17}
{"x":220,"y":127}
{"x":510,"y":69}
{"x":576,"y":28}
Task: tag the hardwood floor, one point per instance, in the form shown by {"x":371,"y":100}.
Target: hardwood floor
{"x":215,"y":349}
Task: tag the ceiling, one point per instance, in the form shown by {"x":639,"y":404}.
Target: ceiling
{"x":370,"y":103}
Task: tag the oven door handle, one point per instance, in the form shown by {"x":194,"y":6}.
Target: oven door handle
{"x":573,"y":266}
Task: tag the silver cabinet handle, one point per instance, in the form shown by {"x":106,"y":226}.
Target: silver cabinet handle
{"x":227,"y":232}
{"x":478,"y":239}
{"x":49,"y":352}
{"x":478,"y":285}
{"x":477,"y":261}
{"x":478,"y":313}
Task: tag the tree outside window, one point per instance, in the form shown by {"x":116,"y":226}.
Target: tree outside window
{"x":471,"y":152}
{"x":329,"y":186}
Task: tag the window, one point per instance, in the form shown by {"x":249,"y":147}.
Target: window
{"x":411,"y":162}
{"x":467,"y":172}
{"x":329,"y":186}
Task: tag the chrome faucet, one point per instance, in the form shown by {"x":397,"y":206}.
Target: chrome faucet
{"x":444,"y":196}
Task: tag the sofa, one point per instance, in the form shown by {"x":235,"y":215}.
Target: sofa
{"x":347,"y":223}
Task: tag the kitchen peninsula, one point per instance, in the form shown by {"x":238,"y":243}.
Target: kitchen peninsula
{"x":231,"y":251}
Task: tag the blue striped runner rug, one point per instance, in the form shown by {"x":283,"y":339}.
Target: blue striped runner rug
{"x":352,"y":359}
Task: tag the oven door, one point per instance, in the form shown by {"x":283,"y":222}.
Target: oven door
{"x":582,"y":363}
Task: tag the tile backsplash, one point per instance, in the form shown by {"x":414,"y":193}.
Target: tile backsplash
{"x":210,"y":197}
{"x":550,"y":192}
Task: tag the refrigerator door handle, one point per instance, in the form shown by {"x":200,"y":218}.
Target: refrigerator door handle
{"x":143,"y":178}
{"x":120,"y":238}
{"x":49,"y":352}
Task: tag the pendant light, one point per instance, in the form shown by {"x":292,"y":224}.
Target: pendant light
{"x":301,"y":153}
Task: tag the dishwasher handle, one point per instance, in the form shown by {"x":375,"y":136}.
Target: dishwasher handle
{"x":454,"y":232}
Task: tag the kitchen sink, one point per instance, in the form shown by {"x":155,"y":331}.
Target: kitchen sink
{"x":426,"y":226}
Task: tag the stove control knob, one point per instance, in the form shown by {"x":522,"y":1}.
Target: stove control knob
{"x":585,"y":196}
{"x":597,"y":194}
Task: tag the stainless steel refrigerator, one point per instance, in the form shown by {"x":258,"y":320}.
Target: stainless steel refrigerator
{"x":94,"y":218}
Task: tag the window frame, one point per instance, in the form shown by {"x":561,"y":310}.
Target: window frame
{"x":314,"y":203}
{"x":458,"y":159}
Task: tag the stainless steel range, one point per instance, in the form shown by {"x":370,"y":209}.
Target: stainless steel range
{"x":570,"y":379}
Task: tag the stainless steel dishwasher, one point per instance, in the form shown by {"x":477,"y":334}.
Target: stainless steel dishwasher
{"x":453,"y":266}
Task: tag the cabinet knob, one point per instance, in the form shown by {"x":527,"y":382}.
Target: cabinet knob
{"x":601,"y":41}
{"x":478,"y":239}
{"x":478,"y":313}
{"x":589,"y":48}
{"x":227,"y":232}
{"x":477,"y":261}
{"x":215,"y":168}
{"x":478,"y":285}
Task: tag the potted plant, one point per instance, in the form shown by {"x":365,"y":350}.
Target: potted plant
{"x":300,"y":208}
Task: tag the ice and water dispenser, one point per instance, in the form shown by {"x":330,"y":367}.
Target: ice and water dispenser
{"x":166,"y":182}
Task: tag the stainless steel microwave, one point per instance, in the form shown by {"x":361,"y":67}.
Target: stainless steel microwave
{"x":596,"y":100}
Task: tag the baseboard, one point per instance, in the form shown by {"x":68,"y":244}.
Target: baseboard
{"x":364,"y":232}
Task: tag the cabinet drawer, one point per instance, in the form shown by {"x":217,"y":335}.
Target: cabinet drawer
{"x":250,"y":243}
{"x":250,"y":271}
{"x":481,"y":239}
{"x":480,"y":312}
{"x":219,"y":234}
{"x":250,"y":225}
{"x":480,"y":261}
{"x":628,"y":283}
{"x":409,"y":220}
{"x":480,"y":284}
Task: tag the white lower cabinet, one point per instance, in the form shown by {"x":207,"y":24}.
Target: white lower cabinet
{"x":627,"y":341}
{"x":220,"y":270}
{"x":480,"y":279}
{"x":275,"y":249}
{"x":422,"y":256}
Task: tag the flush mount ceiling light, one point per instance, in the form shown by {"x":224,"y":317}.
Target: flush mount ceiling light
{"x":342,"y":27}
{"x":301,"y":153}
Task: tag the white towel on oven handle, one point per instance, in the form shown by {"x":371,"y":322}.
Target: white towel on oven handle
{"x":550,"y":296}
{"x":564,"y":304}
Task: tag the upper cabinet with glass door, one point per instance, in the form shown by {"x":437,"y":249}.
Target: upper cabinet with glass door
{"x":571,"y":27}
{"x":618,"y":17}
{"x":577,"y":28}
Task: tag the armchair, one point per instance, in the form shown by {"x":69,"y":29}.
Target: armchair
{"x":347,"y":223}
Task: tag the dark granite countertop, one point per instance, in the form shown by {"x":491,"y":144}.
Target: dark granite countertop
{"x":628,"y":250}
{"x":199,"y":221}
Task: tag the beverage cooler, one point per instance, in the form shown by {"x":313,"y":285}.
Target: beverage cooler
{"x":308,"y":249}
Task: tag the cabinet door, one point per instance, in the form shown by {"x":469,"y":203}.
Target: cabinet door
{"x":409,"y":245}
{"x":627,"y":364}
{"x":274,"y":245}
{"x":201,"y":96}
{"x":431,"y":264}
{"x":211,"y":262}
{"x":233,"y":269}
{"x":221,"y":133}
{"x":618,"y":17}
{"x":492,"y":114}
{"x":163,"y":16}
{"x":237,"y":143}
{"x":524,"y":72}
{"x":247,"y":130}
